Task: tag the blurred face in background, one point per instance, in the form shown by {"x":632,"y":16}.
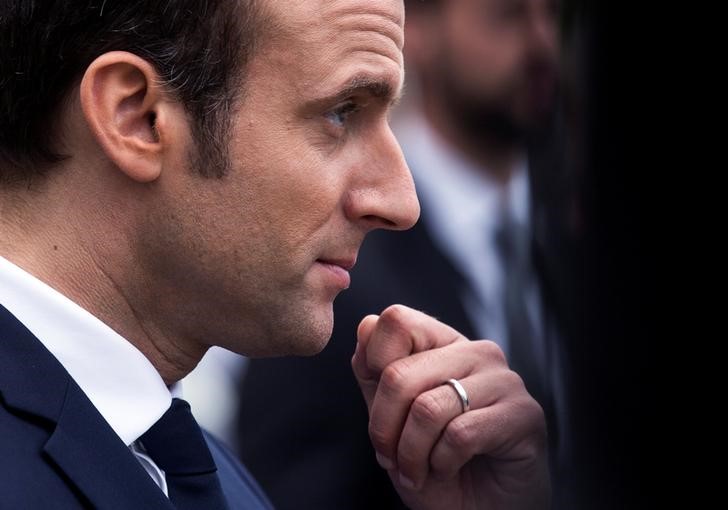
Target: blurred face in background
{"x":493,"y":62}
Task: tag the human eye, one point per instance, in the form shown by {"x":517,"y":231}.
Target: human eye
{"x":339,"y":116}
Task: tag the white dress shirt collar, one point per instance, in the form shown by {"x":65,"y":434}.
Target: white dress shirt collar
{"x":118,"y":379}
{"x":462,"y":199}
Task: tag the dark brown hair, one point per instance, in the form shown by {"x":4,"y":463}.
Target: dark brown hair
{"x":199,"y":48}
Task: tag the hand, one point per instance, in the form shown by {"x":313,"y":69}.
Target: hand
{"x":491,"y":457}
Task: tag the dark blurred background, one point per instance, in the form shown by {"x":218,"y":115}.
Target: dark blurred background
{"x":621,"y":171}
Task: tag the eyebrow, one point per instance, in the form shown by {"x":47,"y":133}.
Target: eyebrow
{"x":376,"y":87}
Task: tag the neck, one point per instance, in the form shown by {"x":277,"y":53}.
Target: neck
{"x":83,"y":253}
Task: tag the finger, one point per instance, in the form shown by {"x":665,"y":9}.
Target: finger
{"x":363,"y":334}
{"x":510,"y":431}
{"x":366,"y":377}
{"x":396,"y":333}
{"x":366,"y":327}
{"x":429,"y":414}
{"x":405,"y":379}
{"x":401,"y":331}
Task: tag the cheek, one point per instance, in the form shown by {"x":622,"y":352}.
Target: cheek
{"x":307,"y":206}
{"x":291,"y":193}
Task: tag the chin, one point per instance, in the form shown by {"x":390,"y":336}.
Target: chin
{"x":305,"y":335}
{"x":314,"y":342}
{"x":313,"y":349}
{"x":311,"y":332}
{"x":284,"y":331}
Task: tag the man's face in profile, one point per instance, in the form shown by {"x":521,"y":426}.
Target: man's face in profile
{"x":314,"y":167}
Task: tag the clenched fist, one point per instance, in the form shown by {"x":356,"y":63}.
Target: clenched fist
{"x":492,"y":456}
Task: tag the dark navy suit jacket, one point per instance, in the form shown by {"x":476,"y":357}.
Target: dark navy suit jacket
{"x":57,"y":451}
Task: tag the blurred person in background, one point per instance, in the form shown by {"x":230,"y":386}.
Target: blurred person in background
{"x":489,"y":254}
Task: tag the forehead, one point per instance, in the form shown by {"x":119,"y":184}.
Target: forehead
{"x":385,"y":15}
{"x":324,"y":39}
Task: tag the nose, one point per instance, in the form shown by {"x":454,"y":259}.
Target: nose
{"x":385,"y":195}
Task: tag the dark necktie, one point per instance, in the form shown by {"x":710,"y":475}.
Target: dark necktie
{"x":177,"y":446}
{"x":524,"y":341}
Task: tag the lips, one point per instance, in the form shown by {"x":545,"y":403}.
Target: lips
{"x":346,"y":263}
{"x":337,"y":269}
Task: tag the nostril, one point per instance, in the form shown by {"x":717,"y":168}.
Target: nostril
{"x":379,"y":222}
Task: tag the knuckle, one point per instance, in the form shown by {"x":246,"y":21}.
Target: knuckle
{"x":537,"y":433}
{"x":394,"y":316}
{"x":394,"y":379}
{"x":536,"y":415}
{"x":513,"y":380}
{"x":459,"y":434}
{"x":533,"y":421}
{"x":488,"y":352}
{"x":492,"y":352}
{"x":426,"y":410}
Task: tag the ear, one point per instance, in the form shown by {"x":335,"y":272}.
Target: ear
{"x":129,"y":113}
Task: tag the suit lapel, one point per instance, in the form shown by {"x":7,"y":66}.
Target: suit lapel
{"x":81,"y":444}
{"x":97,"y":461}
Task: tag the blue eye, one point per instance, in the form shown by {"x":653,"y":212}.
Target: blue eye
{"x":340,"y":114}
